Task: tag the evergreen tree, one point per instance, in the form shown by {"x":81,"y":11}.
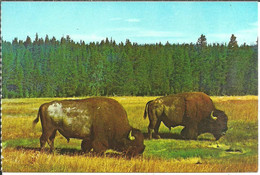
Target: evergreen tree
{"x":8,"y":66}
{"x":61,"y":68}
{"x":233,"y":85}
{"x":95,"y":73}
{"x":28,"y":42}
{"x":36,"y":40}
{"x":142,"y":74}
{"x":202,"y":41}
{"x":204,"y":64}
{"x":194,"y":67}
{"x":28,"y":67}
{"x":125,"y":75}
{"x":219,"y":70}
{"x":181,"y":71}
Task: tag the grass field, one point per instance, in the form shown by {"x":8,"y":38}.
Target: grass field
{"x":237,"y":151}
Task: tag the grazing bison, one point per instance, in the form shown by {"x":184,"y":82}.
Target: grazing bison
{"x":193,"y":110}
{"x":100,"y":122}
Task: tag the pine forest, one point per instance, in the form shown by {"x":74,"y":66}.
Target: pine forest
{"x":47,"y":67}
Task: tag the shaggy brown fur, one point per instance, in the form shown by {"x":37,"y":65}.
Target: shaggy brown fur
{"x":191,"y":109}
{"x":100,"y":122}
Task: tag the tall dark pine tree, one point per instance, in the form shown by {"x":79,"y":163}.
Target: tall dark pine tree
{"x":95,"y":73}
{"x":233,"y":42}
{"x":19,"y":72}
{"x":204,"y":66}
{"x":194,"y":66}
{"x":250,"y":69}
{"x":202,"y":41}
{"x":8,"y":66}
{"x":15,"y":41}
{"x":28,"y":65}
{"x":219,"y":69}
{"x":142,"y":75}
{"x":182,"y":78}
{"x":125,"y":75}
{"x":51,"y":68}
{"x":159,"y":81}
{"x":233,"y":85}
{"x":28,"y":42}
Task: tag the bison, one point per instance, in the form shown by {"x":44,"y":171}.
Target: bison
{"x":100,"y":122}
{"x":193,"y":110}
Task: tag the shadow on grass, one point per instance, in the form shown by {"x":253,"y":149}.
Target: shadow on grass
{"x":63,"y":151}
{"x":166,"y":136}
{"x":175,"y":136}
{"x":72,"y":152}
{"x":28,"y":148}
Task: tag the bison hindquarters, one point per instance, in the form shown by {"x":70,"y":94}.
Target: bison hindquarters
{"x":101,"y":123}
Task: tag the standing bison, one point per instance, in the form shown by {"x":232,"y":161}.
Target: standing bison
{"x":193,"y":110}
{"x":100,"y":122}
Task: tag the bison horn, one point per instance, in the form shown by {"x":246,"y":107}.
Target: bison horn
{"x":212,"y":116}
{"x":130,"y":136}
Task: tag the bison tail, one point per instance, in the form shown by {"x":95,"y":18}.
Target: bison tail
{"x":35,"y":121}
{"x":146,"y":109}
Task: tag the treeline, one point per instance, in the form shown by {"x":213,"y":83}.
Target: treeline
{"x":64,"y":68}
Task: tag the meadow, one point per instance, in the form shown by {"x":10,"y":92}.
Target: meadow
{"x":237,"y":151}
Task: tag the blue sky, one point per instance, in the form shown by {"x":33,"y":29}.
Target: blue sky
{"x":141,"y":22}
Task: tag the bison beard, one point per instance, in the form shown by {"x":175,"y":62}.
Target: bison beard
{"x":100,"y":122}
{"x":193,"y":110}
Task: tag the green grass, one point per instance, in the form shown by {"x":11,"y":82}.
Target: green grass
{"x":237,"y":151}
{"x":240,"y":141}
{"x":20,"y":142}
{"x":173,"y":149}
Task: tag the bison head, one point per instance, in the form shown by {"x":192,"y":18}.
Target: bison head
{"x":216,"y":124}
{"x":134,"y":144}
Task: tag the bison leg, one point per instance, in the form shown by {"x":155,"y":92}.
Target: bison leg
{"x":46,"y":134}
{"x":51,"y":141}
{"x":150,"y":132}
{"x":86,"y":145}
{"x":154,"y":127}
{"x":99,"y":146}
{"x":43,"y":141}
{"x":190,"y":133}
{"x":184,"y":133}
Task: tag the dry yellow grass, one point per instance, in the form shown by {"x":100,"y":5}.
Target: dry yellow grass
{"x":35,"y":161}
{"x":18,"y":114}
{"x":238,"y":108}
{"x":25,"y":110}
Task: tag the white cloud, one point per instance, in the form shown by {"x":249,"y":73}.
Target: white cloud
{"x":133,"y":20}
{"x":255,"y":24}
{"x":247,"y":36}
{"x":218,"y":37}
